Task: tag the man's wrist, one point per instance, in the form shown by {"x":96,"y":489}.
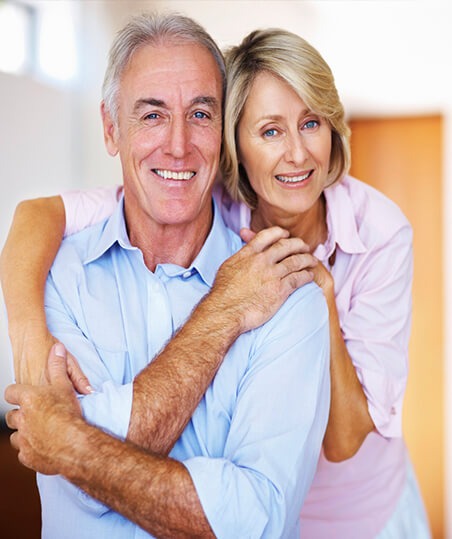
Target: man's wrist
{"x":221,"y":315}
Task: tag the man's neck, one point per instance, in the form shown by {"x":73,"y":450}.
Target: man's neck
{"x":168,"y":244}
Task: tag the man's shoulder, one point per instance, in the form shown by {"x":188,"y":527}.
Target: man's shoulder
{"x":309,"y":301}
{"x":304,"y":313}
{"x":77,"y":248}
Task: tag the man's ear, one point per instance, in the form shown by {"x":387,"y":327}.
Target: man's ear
{"x":111,"y":131}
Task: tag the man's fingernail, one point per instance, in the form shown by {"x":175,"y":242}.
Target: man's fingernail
{"x":89,"y":389}
{"x":60,"y":350}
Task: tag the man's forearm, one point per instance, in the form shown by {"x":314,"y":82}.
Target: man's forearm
{"x":155,"y":492}
{"x":249,"y":288}
{"x":168,"y":391}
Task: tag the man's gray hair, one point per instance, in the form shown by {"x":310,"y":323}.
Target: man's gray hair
{"x":152,"y":29}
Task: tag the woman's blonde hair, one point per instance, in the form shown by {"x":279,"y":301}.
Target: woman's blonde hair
{"x":294,"y":60}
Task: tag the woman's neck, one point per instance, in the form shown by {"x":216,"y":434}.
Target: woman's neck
{"x":310,"y":226}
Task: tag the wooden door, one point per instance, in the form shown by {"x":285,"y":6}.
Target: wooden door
{"x":402,"y":157}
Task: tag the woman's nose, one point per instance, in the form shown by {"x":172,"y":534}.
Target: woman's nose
{"x":296,"y":151}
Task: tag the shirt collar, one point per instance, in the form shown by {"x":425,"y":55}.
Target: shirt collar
{"x":112,"y":230}
{"x":220,"y":244}
{"x":342,"y":225}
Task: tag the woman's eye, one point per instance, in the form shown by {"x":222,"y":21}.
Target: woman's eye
{"x":270,"y":132}
{"x":311,"y":124}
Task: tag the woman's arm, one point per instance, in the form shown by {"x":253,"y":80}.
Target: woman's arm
{"x":349,"y":421}
{"x":369,"y":344}
{"x":31,"y":246}
{"x":30,"y":249}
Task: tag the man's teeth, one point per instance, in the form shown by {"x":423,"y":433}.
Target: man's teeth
{"x":171,"y":175}
{"x":293,"y":179}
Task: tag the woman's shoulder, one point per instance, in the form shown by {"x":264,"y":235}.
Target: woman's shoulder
{"x":369,"y":205}
{"x":360,"y":215}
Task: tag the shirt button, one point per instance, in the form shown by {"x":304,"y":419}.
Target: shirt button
{"x":393,"y":411}
{"x":186,"y":274}
{"x":155,"y":288}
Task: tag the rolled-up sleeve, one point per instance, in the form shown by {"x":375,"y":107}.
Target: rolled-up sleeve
{"x":110,"y":406}
{"x":256,"y":488}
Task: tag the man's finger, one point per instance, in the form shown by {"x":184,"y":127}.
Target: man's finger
{"x":14,"y":440}
{"x":11,"y":418}
{"x":296,"y":280}
{"x":13,"y":393}
{"x":298,"y":262}
{"x":286,"y":248}
{"x":57,"y":365}
{"x":266,"y":237}
{"x":247,"y":234}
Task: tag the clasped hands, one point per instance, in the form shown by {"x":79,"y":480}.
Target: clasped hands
{"x":43,"y":415}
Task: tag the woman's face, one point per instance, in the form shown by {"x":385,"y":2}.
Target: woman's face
{"x":284,"y":148}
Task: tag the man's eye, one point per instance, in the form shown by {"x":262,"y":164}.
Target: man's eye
{"x":151,"y":116}
{"x":200,"y":115}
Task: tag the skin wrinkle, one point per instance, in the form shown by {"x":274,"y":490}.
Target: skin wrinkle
{"x":174,"y":141}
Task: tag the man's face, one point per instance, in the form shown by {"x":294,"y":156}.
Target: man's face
{"x":168,"y":134}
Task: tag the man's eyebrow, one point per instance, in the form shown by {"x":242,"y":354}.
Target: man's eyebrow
{"x":140,"y":103}
{"x":210,"y":101}
{"x":206,"y":100}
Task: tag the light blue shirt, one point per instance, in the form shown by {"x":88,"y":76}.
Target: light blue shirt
{"x":253,"y":442}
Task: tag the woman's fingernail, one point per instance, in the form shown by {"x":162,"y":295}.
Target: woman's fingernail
{"x":60,"y":350}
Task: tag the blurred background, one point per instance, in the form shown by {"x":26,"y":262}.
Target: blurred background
{"x":393,"y":68}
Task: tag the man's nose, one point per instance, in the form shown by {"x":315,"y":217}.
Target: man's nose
{"x":178,"y":138}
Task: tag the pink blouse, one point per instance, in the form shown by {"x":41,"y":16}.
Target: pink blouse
{"x":371,"y":243}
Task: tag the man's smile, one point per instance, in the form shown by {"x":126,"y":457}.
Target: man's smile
{"x":174,"y":175}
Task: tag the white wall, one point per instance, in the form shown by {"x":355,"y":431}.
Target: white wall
{"x":37,"y":157}
{"x":389,"y":57}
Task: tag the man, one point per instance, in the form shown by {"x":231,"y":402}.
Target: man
{"x":243,"y":435}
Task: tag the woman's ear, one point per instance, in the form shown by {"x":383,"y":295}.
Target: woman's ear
{"x":111,"y":131}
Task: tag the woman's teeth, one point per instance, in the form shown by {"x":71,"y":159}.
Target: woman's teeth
{"x":293,"y":179}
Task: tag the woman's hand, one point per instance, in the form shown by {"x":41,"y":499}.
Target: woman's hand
{"x":324,"y":279}
{"x":31,"y":349}
{"x":40,"y":411}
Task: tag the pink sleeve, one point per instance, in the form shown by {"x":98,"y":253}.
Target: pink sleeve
{"x":376,"y":329}
{"x":87,"y":207}
{"x":236,"y":215}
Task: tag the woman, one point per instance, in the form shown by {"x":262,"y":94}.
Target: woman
{"x":285,"y":159}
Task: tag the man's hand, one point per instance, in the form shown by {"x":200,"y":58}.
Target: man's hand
{"x":256,"y":281}
{"x":44,"y":414}
{"x":31,"y":349}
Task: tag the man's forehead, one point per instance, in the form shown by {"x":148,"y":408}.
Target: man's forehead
{"x":177,"y":57}
{"x":171,"y":77}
